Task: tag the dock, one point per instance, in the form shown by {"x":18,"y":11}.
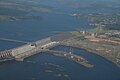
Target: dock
{"x":70,"y":56}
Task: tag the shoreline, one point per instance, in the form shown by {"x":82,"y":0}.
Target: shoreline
{"x":93,"y":52}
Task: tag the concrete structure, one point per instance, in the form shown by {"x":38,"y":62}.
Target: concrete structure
{"x":7,"y":53}
{"x":19,"y":53}
{"x":73,"y":57}
{"x":42,"y":42}
{"x":22,"y":49}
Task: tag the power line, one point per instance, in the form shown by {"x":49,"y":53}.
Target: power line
{"x":13,"y":40}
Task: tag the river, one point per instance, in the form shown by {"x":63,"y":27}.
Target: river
{"x":47,"y":67}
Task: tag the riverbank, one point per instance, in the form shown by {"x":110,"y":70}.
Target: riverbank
{"x":92,"y":47}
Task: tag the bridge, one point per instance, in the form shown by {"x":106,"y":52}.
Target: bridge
{"x":40,"y":46}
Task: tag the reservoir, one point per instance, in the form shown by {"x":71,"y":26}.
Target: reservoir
{"x":48,"y":67}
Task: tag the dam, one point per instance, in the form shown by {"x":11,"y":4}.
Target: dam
{"x":40,"y":47}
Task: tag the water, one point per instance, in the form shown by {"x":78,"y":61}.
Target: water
{"x":32,"y":30}
{"x":47,"y":67}
{"x":101,"y":71}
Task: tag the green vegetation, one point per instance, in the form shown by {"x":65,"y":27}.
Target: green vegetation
{"x":78,"y":35}
{"x":81,"y":37}
{"x":109,"y":21}
{"x":115,"y":35}
{"x":107,"y":43}
{"x":97,"y":30}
